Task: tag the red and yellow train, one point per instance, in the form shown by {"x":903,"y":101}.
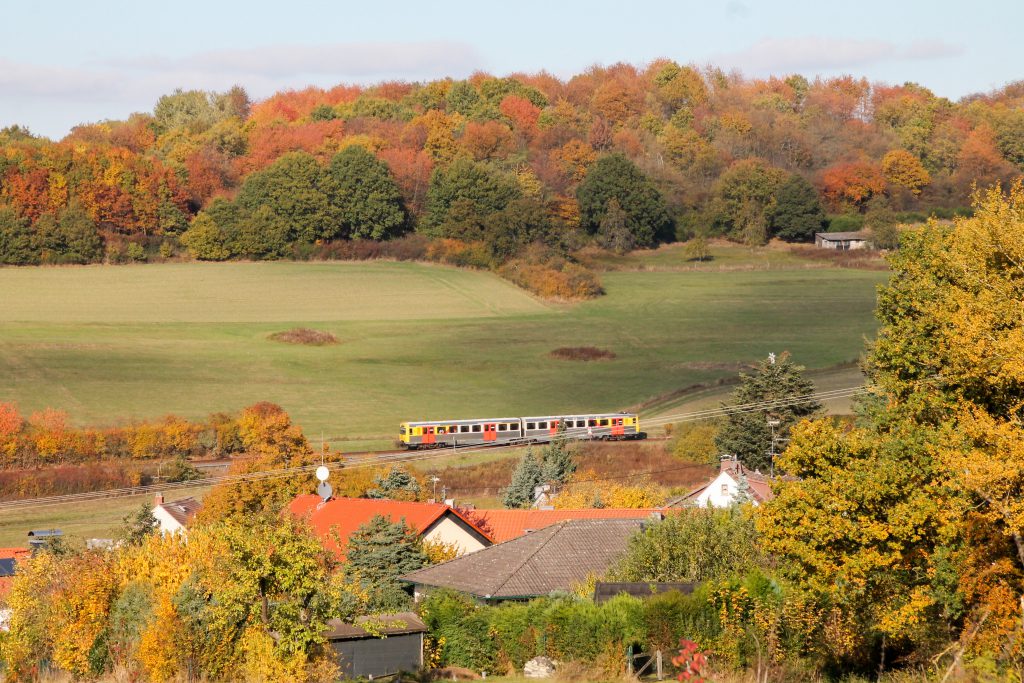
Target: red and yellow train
{"x":515,"y":430}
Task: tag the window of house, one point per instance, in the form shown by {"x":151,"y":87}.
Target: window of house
{"x":725,"y":489}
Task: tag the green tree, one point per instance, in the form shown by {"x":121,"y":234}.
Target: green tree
{"x":525,"y":479}
{"x":378,"y":553}
{"x":746,"y":433}
{"x":137,"y":526}
{"x":80,"y":241}
{"x":475,"y":184}
{"x":797,"y":212}
{"x":363,"y":195}
{"x":880,"y":220}
{"x":697,"y":544}
{"x":283,"y":565}
{"x":205,"y":240}
{"x":181,"y":469}
{"x":613,"y":233}
{"x":697,"y":249}
{"x":613,"y":176}
{"x":261,"y":234}
{"x":291,"y":195}
{"x":557,"y":460}
{"x":397,"y":484}
{"x":17,"y":242}
{"x":744,"y":197}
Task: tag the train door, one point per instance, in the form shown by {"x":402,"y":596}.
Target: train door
{"x":553,"y":428}
{"x":490,"y":432}
{"x":617,"y":428}
{"x":428,"y":435}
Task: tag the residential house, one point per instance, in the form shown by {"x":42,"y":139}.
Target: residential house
{"x":379,"y":645}
{"x":504,"y":525}
{"x":555,"y":558}
{"x":842,"y":241}
{"x":9,"y":558}
{"x":334,"y":520}
{"x":733,"y":484}
{"x":175,"y":516}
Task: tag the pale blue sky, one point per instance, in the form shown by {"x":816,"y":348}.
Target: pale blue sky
{"x":64,"y":62}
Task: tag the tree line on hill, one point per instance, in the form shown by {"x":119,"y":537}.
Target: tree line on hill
{"x":618,"y":156}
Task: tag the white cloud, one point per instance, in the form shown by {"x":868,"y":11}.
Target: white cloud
{"x":817,"y":54}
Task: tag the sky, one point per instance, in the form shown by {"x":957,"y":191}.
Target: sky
{"x":65,"y":62}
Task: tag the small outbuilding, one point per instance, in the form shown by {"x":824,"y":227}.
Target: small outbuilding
{"x":380,"y":645}
{"x":842,"y":241}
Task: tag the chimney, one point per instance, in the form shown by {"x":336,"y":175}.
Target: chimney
{"x":450,"y":502}
{"x":158,"y":499}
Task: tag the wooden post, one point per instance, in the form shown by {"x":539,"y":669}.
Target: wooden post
{"x":661,"y":672}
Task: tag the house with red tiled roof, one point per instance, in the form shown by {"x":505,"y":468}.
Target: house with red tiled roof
{"x":733,"y":484}
{"x":336,"y":519}
{"x":9,"y":559}
{"x":505,"y":525}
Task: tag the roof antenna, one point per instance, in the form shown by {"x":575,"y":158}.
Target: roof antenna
{"x":324,"y":489}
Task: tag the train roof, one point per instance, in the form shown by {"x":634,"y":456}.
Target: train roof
{"x":576,"y":416}
{"x":534,"y":418}
{"x":461,"y":422}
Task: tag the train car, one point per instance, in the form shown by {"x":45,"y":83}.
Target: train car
{"x":439,"y":433}
{"x":511,"y":430}
{"x":597,"y":426}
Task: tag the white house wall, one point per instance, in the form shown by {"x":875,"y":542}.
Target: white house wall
{"x":449,"y":531}
{"x":168,"y":524}
{"x":721,"y":493}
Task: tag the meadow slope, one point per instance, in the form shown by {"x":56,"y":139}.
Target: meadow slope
{"x":110,"y":343}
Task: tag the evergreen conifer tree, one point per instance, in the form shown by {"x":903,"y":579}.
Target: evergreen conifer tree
{"x":747,"y":434}
{"x":526,"y":477}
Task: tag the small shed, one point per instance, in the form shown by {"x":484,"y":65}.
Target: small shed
{"x":379,"y":645}
{"x":40,"y":538}
{"x":842,"y":241}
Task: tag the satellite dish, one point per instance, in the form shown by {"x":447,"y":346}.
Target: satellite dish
{"x":322,"y":473}
{"x":324,"y":490}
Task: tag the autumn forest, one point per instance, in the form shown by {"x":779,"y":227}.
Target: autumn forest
{"x":490,"y":169}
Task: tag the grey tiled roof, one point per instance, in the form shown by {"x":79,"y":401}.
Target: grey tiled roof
{"x":182,"y":510}
{"x":538,"y":563}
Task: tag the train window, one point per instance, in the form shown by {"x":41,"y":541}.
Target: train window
{"x":542,"y":425}
{"x":463,"y":429}
{"x":592,"y":423}
{"x":501,"y":426}
{"x":476,"y":428}
{"x":401,"y":430}
{"x":531,"y":425}
{"x":441,"y":430}
{"x":604,"y":422}
{"x":581,"y":423}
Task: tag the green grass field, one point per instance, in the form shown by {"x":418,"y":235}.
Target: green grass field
{"x":112,"y":343}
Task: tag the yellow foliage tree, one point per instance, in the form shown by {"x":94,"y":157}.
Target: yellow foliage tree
{"x":588,"y":490}
{"x":903,"y":169}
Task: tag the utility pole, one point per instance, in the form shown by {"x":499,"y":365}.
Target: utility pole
{"x":433,"y":480}
{"x":773,"y":423}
